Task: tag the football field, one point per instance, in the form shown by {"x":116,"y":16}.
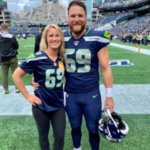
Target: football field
{"x":131,"y":78}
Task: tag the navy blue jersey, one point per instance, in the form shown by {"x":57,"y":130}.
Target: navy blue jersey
{"x":49,"y":75}
{"x":81,"y":60}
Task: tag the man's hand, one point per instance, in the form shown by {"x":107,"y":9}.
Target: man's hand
{"x":34,"y":100}
{"x":110,"y":103}
{"x":35,"y":85}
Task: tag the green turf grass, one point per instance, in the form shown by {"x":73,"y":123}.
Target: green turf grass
{"x":136,"y":74}
{"x":28,"y":42}
{"x":20,"y":133}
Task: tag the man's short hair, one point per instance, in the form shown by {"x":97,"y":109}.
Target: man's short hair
{"x":4,"y":26}
{"x":77,"y":3}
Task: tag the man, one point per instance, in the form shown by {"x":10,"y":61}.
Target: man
{"x":24,"y":36}
{"x":130,"y":37}
{"x":134,"y":37}
{"x":18,"y":36}
{"x":8,"y":52}
{"x":144,"y":38}
{"x":85,"y":48}
{"x":37,"y":41}
{"x":148,"y":37}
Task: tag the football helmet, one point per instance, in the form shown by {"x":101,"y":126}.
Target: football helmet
{"x":112,"y":127}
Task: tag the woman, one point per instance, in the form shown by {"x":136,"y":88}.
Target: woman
{"x":47,"y":103}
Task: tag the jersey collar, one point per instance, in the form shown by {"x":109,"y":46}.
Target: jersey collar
{"x":58,"y":57}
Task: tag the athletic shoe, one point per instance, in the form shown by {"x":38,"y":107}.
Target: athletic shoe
{"x":77,"y":148}
{"x":6,"y":92}
{"x":17,"y":91}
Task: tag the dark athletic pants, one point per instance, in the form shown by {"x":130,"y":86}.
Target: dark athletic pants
{"x":89,"y":105}
{"x":13,"y":64}
{"x":58,"y":121}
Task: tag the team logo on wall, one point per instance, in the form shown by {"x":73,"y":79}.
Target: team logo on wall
{"x":124,"y":62}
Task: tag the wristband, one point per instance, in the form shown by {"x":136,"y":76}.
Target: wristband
{"x":108,"y":92}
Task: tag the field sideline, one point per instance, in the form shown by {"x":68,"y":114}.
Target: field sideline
{"x":19,"y":132}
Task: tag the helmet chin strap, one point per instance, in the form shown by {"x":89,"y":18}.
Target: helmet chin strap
{"x":126,"y":129}
{"x":108,"y":114}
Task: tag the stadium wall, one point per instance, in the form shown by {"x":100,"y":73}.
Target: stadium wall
{"x":126,"y":17}
{"x":108,"y":26}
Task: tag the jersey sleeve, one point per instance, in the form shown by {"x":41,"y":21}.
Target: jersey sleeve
{"x":103,"y":39}
{"x":30,"y":64}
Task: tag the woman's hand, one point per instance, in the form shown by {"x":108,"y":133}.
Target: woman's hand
{"x":34,"y":100}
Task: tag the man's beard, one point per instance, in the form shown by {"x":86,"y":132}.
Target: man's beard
{"x":77,"y":31}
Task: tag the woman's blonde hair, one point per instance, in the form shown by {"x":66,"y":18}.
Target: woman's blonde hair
{"x":44,"y":44}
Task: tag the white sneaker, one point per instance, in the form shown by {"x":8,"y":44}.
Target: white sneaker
{"x":77,"y":148}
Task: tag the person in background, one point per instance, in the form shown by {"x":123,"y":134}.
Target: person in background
{"x":145,"y":38}
{"x":8,"y":53}
{"x":148,"y":37}
{"x":37,"y":41}
{"x":138,"y":38}
{"x":18,"y":36}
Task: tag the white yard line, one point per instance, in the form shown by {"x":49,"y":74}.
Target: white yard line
{"x":28,"y":46}
{"x":122,"y":52}
{"x":135,"y":49}
{"x":24,"y":53}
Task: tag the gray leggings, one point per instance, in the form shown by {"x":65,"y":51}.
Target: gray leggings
{"x":58,"y":121}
